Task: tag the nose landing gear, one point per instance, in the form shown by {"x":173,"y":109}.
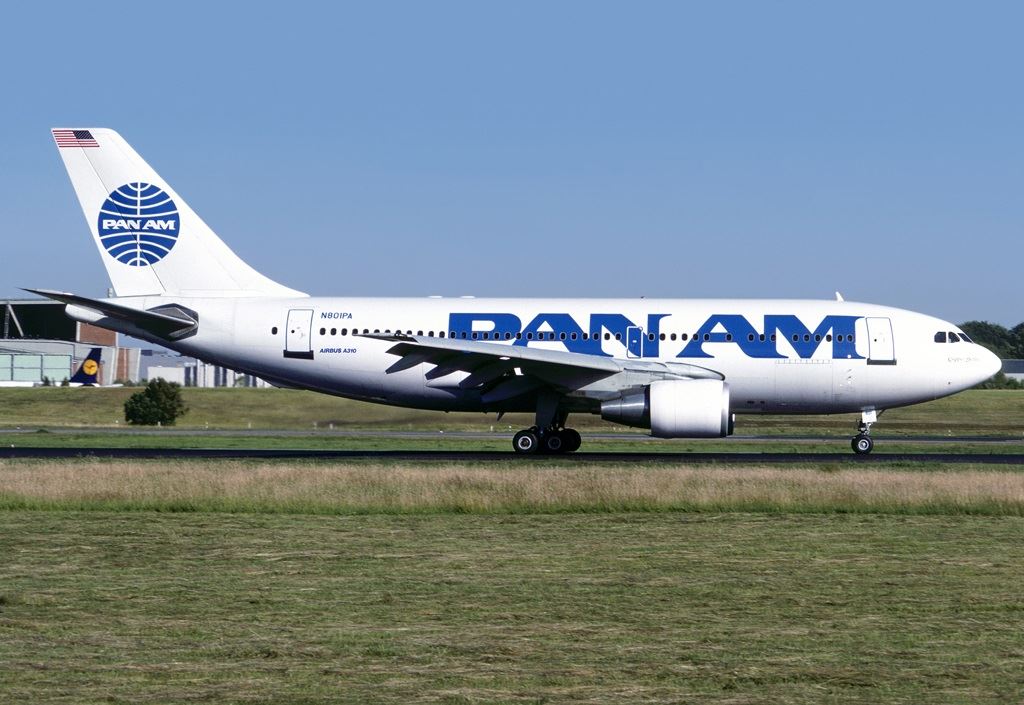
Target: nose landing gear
{"x":862,"y":443}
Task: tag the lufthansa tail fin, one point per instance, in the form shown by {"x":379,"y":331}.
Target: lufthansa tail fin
{"x":151,"y":242}
{"x":88,"y":372}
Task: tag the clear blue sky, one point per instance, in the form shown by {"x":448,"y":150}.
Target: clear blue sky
{"x":760,"y":149}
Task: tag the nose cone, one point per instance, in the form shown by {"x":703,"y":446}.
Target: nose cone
{"x":989,"y":364}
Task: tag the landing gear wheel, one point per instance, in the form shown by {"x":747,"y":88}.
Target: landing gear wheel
{"x":554,"y":442}
{"x":526,"y":442}
{"x":571,"y":440}
{"x":862,"y":444}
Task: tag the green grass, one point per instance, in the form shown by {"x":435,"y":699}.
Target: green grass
{"x":988,"y":412}
{"x":619,"y":608}
{"x":327,"y":441}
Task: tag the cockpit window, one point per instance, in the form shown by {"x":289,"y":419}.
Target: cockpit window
{"x":953,"y":337}
{"x":940,"y":337}
{"x":963,"y":337}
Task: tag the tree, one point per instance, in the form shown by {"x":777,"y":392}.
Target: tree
{"x":160,"y":402}
{"x":994,"y":337}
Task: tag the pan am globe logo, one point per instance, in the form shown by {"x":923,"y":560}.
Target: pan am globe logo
{"x":138,"y":224}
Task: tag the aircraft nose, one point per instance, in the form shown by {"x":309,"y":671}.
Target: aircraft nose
{"x":990,"y":363}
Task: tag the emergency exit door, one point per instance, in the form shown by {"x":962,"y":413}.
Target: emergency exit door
{"x":298,"y":338}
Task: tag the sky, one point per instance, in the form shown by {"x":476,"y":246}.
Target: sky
{"x":676,"y":149}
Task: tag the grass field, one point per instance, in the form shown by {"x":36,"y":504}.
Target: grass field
{"x":583,"y":608}
{"x":481,"y":488}
{"x":982,"y":412}
{"x":541,"y":582}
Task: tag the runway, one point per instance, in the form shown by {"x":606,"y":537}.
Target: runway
{"x":737,"y":458}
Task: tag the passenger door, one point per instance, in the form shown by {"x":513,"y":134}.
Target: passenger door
{"x":881,"y":349}
{"x":298,"y":339}
{"x":634,"y":342}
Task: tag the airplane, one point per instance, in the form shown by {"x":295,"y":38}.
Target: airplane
{"x":681,"y":368}
{"x":87,"y":374}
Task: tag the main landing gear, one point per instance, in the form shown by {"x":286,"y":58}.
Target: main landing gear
{"x":547,"y":440}
{"x":549,"y":435}
{"x":862,"y":443}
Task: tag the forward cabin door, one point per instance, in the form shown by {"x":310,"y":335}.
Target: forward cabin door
{"x":298,"y":338}
{"x":881,"y":349}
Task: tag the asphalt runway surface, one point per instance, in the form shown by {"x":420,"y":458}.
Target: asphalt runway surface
{"x":737,"y":458}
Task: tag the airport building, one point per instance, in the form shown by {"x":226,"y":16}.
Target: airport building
{"x":1014,"y":369}
{"x":38,"y":342}
{"x":189,"y":372}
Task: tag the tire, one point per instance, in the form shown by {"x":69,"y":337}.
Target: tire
{"x":525,"y":442}
{"x":572,"y":440}
{"x":554,"y":442}
{"x":862,"y":444}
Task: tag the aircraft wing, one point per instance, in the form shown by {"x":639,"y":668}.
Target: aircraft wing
{"x":502,"y":371}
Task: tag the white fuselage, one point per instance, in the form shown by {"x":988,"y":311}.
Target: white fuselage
{"x":777,"y":356}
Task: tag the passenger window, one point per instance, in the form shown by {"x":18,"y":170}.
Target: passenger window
{"x":334,"y":331}
{"x":828,"y":338}
{"x":683,"y":336}
{"x":608,"y":336}
{"x":323,"y":331}
{"x":940,"y":337}
{"x":573,"y":336}
{"x":344,"y":331}
{"x":273,"y":331}
{"x":618,"y":336}
{"x":440,"y":334}
{"x":650,"y":336}
{"x":560,"y":335}
{"x":673,"y":336}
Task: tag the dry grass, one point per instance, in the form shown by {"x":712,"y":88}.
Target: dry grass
{"x":360,"y":488}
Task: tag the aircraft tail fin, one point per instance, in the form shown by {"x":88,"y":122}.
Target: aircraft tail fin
{"x":88,"y":372}
{"x":151,"y":242}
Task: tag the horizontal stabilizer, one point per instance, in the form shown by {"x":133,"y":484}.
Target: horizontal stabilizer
{"x":170,"y":322}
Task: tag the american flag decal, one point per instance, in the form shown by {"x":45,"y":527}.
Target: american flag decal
{"x":74,"y":138}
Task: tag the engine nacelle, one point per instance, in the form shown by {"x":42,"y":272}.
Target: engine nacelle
{"x":685,"y":408}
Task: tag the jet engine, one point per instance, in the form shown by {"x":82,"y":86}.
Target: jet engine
{"x":686,"y":408}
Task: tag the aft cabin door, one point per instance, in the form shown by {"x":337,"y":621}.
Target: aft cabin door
{"x":881,"y":350}
{"x":298,"y":339}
